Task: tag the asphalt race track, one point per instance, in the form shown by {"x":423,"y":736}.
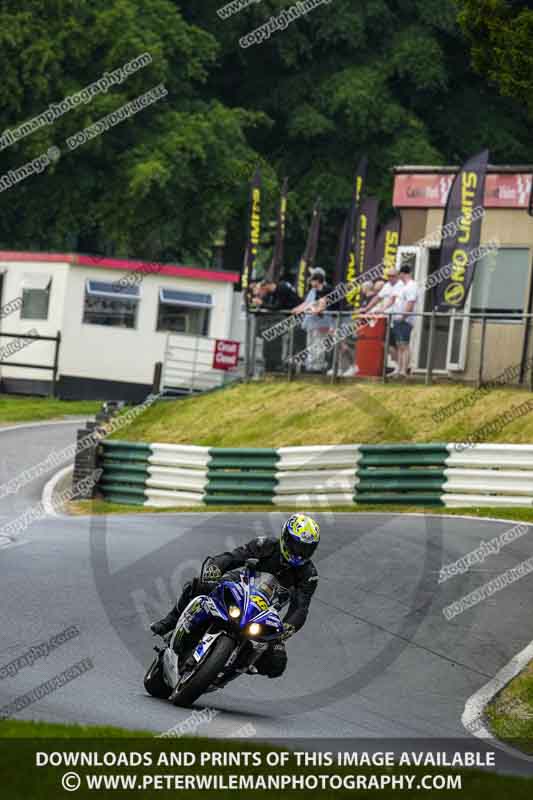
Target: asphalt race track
{"x":377,"y":657}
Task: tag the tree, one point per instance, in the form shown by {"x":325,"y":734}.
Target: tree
{"x":500,"y":33}
{"x":181,"y":163}
{"x":392,"y":78}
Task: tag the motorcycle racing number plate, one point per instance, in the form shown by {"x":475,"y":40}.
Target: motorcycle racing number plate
{"x":259,"y":602}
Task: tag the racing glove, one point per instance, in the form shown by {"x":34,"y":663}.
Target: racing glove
{"x":288,"y":631}
{"x":211,"y":572}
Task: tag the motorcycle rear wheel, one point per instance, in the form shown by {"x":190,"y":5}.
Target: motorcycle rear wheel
{"x":206,"y":673}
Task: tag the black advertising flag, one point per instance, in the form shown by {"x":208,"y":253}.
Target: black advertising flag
{"x":361,"y":255}
{"x":457,"y":257}
{"x":254,"y":233}
{"x":340,"y":257}
{"x":351,"y":225}
{"x":308,"y":259}
{"x":276,"y":265}
{"x":366,"y":234}
{"x":387,"y":244}
{"x":315,"y":234}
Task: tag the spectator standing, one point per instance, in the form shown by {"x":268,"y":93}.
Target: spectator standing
{"x":272,"y":297}
{"x":316,"y":322}
{"x":251,"y":294}
{"x":384,"y":301}
{"x":368,"y":294}
{"x":277,"y":296}
{"x":386,"y":296}
{"x":378,"y":286}
{"x":403,"y":318}
{"x":348,"y":345}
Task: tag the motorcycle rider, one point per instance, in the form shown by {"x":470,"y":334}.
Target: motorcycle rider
{"x":287,"y":558}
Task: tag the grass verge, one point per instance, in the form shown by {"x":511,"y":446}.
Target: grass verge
{"x":22,"y":778}
{"x":275,"y":413}
{"x":511,"y":712}
{"x":33,"y":409}
{"x":17,"y":729}
{"x":84,"y":507}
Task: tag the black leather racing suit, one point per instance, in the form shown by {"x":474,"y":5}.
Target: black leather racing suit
{"x":301,"y":583}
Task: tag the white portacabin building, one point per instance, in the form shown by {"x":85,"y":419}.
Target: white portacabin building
{"x":116,"y":318}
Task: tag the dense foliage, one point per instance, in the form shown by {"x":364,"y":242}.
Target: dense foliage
{"x":501,"y":32}
{"x":389,"y":77}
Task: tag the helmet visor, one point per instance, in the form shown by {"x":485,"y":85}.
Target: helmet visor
{"x":299,"y":548}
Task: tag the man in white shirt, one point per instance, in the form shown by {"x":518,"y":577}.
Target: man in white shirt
{"x":384,"y":302}
{"x":386,"y":295}
{"x":403,"y":318}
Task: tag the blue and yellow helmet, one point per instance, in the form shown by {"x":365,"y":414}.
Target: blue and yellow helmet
{"x":299,"y":539}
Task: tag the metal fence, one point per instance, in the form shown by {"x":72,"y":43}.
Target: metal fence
{"x":469,"y":347}
{"x":19,"y":340}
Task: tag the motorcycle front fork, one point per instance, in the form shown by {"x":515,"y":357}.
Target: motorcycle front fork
{"x":258,"y":648}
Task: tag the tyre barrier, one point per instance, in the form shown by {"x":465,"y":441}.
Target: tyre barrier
{"x":489,"y":475}
{"x":402,"y":474}
{"x":124,"y":471}
{"x":454,"y":475}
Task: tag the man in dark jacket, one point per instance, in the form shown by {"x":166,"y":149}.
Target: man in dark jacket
{"x":287,"y":558}
{"x":277,"y":295}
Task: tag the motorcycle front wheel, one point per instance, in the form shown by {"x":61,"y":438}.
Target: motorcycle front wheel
{"x":206,"y":673}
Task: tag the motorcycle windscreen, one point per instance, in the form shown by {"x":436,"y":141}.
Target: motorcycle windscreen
{"x":267,"y":585}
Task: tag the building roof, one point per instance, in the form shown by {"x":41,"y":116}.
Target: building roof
{"x":124,"y":265}
{"x":419,"y":169}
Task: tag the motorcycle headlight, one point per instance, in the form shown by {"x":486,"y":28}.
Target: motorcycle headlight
{"x":234,"y":612}
{"x":254,"y":629}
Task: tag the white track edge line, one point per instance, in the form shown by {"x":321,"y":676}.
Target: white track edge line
{"x":477,"y":703}
{"x":42,"y":424}
{"x":47,"y":497}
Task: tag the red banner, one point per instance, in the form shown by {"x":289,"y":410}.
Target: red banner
{"x":502,"y":190}
{"x":225,"y":354}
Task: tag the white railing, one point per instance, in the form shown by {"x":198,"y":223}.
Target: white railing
{"x":188,"y":365}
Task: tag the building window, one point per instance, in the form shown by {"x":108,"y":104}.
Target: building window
{"x":500,"y":283}
{"x":35,"y":296}
{"x":184,"y":312}
{"x":111,"y":304}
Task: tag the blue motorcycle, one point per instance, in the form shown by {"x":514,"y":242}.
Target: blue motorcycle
{"x":219,"y":636}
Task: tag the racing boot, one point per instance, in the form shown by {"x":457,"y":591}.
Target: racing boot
{"x":167,"y":624}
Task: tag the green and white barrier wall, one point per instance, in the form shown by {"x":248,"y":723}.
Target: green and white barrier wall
{"x":125,"y":472}
{"x":167,"y":475}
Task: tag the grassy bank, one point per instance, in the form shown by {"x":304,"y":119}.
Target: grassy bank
{"x":276,"y":413}
{"x":34,"y":409}
{"x":16,"y":729}
{"x":103,"y":507}
{"x":511,"y":713}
